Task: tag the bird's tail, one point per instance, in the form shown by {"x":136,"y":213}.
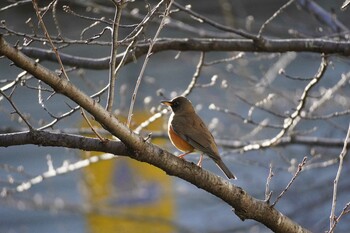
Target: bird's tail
{"x":225,"y":169}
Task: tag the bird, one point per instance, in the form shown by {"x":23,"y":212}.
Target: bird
{"x":188,"y":133}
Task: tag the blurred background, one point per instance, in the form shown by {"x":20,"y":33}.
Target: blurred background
{"x":243,"y":99}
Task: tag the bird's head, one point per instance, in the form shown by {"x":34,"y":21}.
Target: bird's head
{"x":179,"y":104}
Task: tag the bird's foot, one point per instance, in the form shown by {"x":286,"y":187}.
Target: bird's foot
{"x":199,"y":164}
{"x":184,"y":154}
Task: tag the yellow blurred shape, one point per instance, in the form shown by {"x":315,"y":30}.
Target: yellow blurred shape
{"x":127,"y":195}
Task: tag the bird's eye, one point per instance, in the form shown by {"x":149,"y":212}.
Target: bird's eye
{"x":175,"y":105}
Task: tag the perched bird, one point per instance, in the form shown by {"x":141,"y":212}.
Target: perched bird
{"x":188,"y":133}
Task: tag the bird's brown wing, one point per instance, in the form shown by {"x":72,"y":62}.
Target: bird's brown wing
{"x":194,"y":131}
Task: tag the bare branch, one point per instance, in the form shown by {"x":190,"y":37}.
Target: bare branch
{"x":346,"y":210}
{"x":44,"y":138}
{"x":215,"y":24}
{"x":333,"y":220}
{"x":17,"y":110}
{"x":47,"y":35}
{"x":229,"y":59}
{"x":345,"y":4}
{"x":15,"y":4}
{"x":300,"y":167}
{"x":113,"y":57}
{"x":55,"y":19}
{"x":199,"y":44}
{"x":328,"y":94}
{"x":92,"y":127}
{"x":285,"y":141}
{"x":149,"y":53}
{"x":294,"y":118}
{"x":244,"y":119}
{"x":99,"y":20}
{"x":246,"y":207}
{"x":195,"y":75}
{"x":268,"y":193}
{"x":278,"y":12}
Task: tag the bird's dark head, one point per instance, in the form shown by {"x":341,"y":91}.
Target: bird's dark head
{"x":179,"y":104}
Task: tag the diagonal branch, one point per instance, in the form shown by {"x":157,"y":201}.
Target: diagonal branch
{"x":148,"y":55}
{"x":294,"y":118}
{"x":245,"y":206}
{"x":278,"y":12}
{"x":332,"y":218}
{"x":16,"y":110}
{"x":47,"y":35}
{"x":300,"y":168}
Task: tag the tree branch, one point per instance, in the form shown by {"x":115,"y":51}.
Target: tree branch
{"x":198,"y":44}
{"x":332,"y":218}
{"x":44,"y":138}
{"x":288,"y":140}
{"x":245,"y":206}
{"x":114,"y":52}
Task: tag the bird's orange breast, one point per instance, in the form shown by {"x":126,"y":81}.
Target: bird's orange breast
{"x":178,"y":142}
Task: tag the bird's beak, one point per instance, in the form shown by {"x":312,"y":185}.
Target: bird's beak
{"x":166,"y":102}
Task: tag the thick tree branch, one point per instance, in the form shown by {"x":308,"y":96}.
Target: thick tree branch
{"x":246,"y":207}
{"x":197,"y":44}
{"x":44,"y":138}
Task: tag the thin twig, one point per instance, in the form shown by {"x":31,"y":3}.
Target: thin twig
{"x":224,"y":60}
{"x":212,"y":83}
{"x":114,"y":52}
{"x":279,"y":11}
{"x":294,"y":118}
{"x":244,"y":119}
{"x":268,"y":99}
{"x":346,"y":3}
{"x":148,"y":55}
{"x":55,"y":19}
{"x":345,"y":211}
{"x":195,"y":75}
{"x":215,"y":24}
{"x":283,"y":72}
{"x":48,"y":37}
{"x":332,"y":218}
{"x":16,"y":110}
{"x":328,"y":116}
{"x":329,"y":93}
{"x":68,"y":10}
{"x":91,"y":126}
{"x":72,"y":111}
{"x":275,"y":114}
{"x":268,"y":193}
{"x":15,"y":4}
{"x":300,"y":168}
